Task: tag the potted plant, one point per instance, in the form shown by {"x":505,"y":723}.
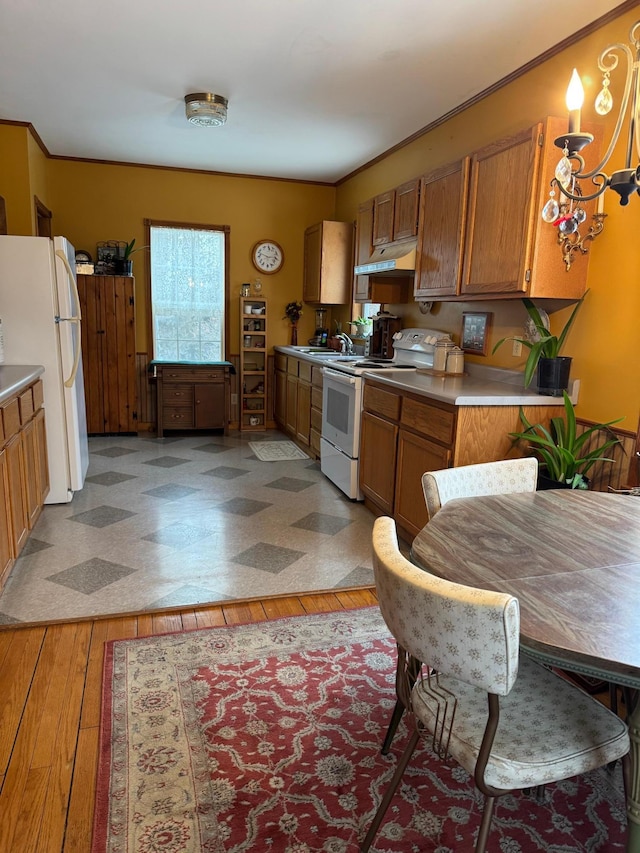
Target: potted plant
{"x":566,"y":456}
{"x":124,"y":265}
{"x":292,"y":313}
{"x":362,"y":326}
{"x":544,"y":353}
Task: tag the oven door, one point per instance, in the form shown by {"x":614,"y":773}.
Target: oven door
{"x":341,"y":408}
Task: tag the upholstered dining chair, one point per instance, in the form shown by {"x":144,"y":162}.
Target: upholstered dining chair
{"x":469,"y":481}
{"x":508,"y":721}
{"x":473,"y":481}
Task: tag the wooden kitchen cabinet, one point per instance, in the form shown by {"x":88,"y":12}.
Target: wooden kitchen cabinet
{"x":395,"y":213}
{"x":24,"y":476}
{"x":328,"y":263}
{"x":509,"y":250}
{"x":109,"y":352}
{"x":378,"y":447}
{"x":383,"y":289}
{"x":439,"y":255}
{"x":193,"y":396}
{"x":298,"y":405}
{"x":403,"y":435}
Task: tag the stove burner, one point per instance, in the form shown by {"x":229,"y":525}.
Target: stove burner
{"x":383,"y":364}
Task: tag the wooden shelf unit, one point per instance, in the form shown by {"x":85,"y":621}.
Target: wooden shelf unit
{"x":253,"y":363}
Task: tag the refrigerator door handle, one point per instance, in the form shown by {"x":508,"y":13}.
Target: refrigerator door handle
{"x":68,"y":383}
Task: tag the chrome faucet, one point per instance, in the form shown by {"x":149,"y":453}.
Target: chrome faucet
{"x":347,"y":343}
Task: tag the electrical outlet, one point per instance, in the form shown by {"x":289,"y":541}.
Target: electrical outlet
{"x":234,"y":399}
{"x":517,"y":348}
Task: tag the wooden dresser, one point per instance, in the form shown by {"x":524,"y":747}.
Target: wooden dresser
{"x":193,"y":396}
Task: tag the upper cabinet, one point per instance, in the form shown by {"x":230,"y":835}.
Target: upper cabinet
{"x":481,"y":233}
{"x":328,"y":263}
{"x":395,"y":214}
{"x":443,"y":205}
{"x":378,"y":288}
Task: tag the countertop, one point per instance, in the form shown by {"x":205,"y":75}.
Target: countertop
{"x":478,"y":386}
{"x":15,"y":377}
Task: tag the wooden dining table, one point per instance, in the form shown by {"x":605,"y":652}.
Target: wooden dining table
{"x":572,"y":558}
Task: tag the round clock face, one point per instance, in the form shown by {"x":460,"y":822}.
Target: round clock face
{"x":267,"y":256}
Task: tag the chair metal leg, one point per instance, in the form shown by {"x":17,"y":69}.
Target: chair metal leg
{"x":485,"y":826}
{"x":398,"y":711}
{"x":388,"y":796}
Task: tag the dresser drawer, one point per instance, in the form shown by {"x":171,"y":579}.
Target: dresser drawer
{"x":175,"y":417}
{"x":177,"y":395}
{"x":385,"y":404}
{"x":193,"y":374}
{"x":429,"y":420}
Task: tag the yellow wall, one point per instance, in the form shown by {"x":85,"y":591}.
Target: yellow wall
{"x":94,"y":202}
{"x":14,"y":178}
{"x":38,"y":179}
{"x":604,"y":340}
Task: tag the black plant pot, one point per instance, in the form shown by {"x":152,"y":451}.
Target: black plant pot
{"x":545,"y":482}
{"x":123,"y":267}
{"x":553,"y":375}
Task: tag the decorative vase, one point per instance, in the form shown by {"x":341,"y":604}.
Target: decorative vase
{"x":294,"y":335}
{"x":123,"y":267}
{"x":553,"y":375}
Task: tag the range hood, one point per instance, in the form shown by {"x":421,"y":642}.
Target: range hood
{"x":390,"y":259}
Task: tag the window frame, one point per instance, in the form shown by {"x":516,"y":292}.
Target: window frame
{"x":194,"y":226}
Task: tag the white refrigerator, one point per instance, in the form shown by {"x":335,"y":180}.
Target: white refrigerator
{"x":40,"y":313}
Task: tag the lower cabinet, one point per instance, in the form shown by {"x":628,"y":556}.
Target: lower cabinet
{"x":403,"y":435}
{"x":298,"y":403}
{"x":24,"y":473}
{"x":193,"y":397}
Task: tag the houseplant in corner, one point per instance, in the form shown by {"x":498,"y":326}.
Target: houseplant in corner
{"x":566,"y":457}
{"x":544,"y":352}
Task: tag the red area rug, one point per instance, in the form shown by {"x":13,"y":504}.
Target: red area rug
{"x":266,"y":737}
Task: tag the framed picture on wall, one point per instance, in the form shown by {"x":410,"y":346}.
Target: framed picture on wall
{"x":475,"y":331}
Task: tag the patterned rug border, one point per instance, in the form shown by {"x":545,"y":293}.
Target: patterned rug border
{"x":263,"y":450}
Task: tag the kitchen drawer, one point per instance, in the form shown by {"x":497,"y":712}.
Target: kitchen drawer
{"x":385,"y":404}
{"x":281,"y":361}
{"x":177,"y":395}
{"x":11,"y":418}
{"x":292,"y":366}
{"x":26,"y":406}
{"x":316,"y":419}
{"x":38,"y":395}
{"x":317,"y":376}
{"x":177,"y":417}
{"x":429,"y":420}
{"x":316,"y":397}
{"x":304,"y":371}
{"x":192,"y":374}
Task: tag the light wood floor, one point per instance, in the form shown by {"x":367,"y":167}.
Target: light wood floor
{"x":50,"y":692}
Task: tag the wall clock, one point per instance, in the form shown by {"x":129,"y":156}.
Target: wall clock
{"x":267,"y":256}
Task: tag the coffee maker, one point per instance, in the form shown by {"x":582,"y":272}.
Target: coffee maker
{"x":385,"y":326}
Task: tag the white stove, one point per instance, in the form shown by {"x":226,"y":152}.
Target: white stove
{"x":342,"y":402}
{"x":411,"y":348}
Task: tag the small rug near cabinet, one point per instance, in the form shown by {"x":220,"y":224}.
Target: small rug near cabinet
{"x":276,"y":451}
{"x":267,"y":737}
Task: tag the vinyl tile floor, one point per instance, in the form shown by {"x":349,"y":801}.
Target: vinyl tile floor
{"x":168,"y":522}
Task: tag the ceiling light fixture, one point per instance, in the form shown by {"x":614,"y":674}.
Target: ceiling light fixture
{"x":206,"y":109}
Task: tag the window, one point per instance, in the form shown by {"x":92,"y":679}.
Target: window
{"x":188,"y":291}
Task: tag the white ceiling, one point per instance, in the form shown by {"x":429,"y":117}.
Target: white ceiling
{"x":316,"y":88}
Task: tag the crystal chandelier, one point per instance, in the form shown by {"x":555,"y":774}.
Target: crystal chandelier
{"x":567,"y":212}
